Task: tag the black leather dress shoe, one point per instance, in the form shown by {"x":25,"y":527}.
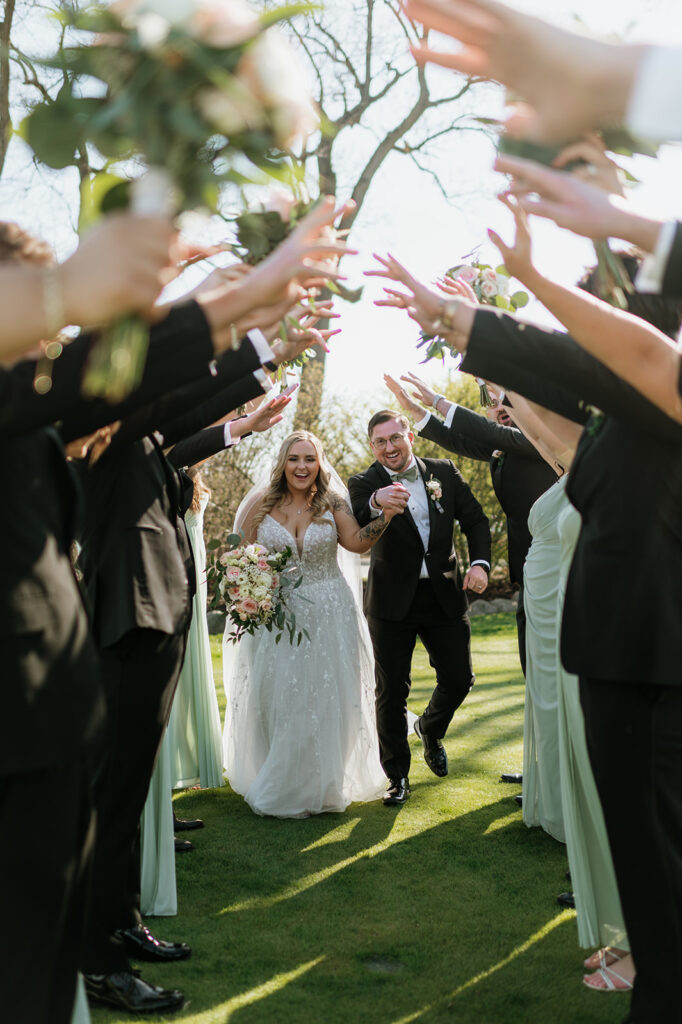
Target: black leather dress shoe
{"x":397,"y":793}
{"x":140,"y":944}
{"x":434,"y":752}
{"x":515,"y":777}
{"x":566,"y":899}
{"x":182,"y":845}
{"x":519,"y":799}
{"x":127,"y":992}
{"x":186,"y":824}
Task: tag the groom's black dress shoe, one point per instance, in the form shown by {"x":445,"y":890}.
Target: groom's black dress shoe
{"x":182,"y":845}
{"x":515,"y":777}
{"x":140,"y":944}
{"x":434,"y":752}
{"x":566,"y":899}
{"x":127,"y":992}
{"x":186,"y":824}
{"x":397,"y":793}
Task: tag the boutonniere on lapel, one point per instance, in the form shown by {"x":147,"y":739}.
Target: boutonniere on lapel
{"x":435,"y":492}
{"x":596,"y":420}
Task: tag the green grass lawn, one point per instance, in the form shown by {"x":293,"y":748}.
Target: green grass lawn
{"x":440,"y":912}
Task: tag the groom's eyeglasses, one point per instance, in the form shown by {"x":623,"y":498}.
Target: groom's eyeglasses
{"x":381,"y":442}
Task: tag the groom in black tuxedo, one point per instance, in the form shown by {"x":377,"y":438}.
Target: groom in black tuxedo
{"x":415,"y":589}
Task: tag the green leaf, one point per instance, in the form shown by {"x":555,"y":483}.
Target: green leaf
{"x":213,"y":544}
{"x":52,"y":134}
{"x":519,"y":300}
{"x":501,"y":302}
{"x":502,"y":270}
{"x":233,"y":540}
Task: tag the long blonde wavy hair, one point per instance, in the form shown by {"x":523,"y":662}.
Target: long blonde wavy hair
{"x":278,"y":491}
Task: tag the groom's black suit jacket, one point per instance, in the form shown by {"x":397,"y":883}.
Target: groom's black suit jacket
{"x":621,"y":613}
{"x":396,"y":558}
{"x":519,"y":473}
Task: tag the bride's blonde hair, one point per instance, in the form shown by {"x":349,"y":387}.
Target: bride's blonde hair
{"x":278,"y":491}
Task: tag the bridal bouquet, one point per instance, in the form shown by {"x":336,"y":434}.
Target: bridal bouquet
{"x":204,"y":92}
{"x":253,"y":584}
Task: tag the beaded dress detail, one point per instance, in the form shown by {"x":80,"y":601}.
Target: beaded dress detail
{"x":300,"y":735}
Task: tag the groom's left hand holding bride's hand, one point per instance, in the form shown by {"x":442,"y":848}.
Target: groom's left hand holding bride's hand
{"x":476,"y":579}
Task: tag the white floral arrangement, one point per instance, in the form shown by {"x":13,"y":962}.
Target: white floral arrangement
{"x":253,"y":583}
{"x":434,"y":490}
{"x":490,"y":284}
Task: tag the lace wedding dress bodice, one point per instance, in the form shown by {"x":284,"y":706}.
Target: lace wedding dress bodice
{"x":317,"y":558}
{"x":300,"y":734}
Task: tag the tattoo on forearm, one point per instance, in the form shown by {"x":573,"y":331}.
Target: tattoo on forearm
{"x":374,"y":529}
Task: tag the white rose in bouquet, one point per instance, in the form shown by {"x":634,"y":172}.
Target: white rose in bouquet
{"x":488,"y":288}
{"x":502,"y":282}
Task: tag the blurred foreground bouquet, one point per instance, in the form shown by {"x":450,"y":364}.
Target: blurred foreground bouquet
{"x":204,"y":92}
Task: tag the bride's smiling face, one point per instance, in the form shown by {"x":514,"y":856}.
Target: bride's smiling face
{"x":301,"y":467}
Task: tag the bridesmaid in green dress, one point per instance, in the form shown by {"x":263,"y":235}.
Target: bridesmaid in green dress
{"x":541,"y":784}
{"x":194,"y":730}
{"x":597,"y":903}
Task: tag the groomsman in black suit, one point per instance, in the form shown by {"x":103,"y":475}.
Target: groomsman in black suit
{"x":620,"y":630}
{"x":415,"y":589}
{"x":518,"y":472}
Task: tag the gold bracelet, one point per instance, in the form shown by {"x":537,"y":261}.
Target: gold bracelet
{"x":53,"y":300}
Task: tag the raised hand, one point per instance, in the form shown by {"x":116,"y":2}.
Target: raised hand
{"x":593,"y":164}
{"x":518,"y":257}
{"x":575,"y":204}
{"x":452,"y":321}
{"x":120,"y":267}
{"x":267,"y":415}
{"x":404,"y":399}
{"x":571,"y":83}
{"x":421,"y":390}
{"x":457,"y":286}
{"x":392,"y":499}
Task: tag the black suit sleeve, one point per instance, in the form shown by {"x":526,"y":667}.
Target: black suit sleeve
{"x":476,"y":437}
{"x":180,"y":349}
{"x":198,"y":447}
{"x":545,"y":365}
{"x":472,"y":520}
{"x":672,"y":275}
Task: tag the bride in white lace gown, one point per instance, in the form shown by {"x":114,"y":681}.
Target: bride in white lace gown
{"x":300,"y":735}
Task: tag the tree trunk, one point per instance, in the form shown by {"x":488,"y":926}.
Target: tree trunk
{"x":5,"y":122}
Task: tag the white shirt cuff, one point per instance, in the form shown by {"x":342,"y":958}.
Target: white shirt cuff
{"x":422,"y":422}
{"x":259,"y":342}
{"x":228,"y":440}
{"x":451,"y":414}
{"x":481,"y":561}
{"x":652,"y":271}
{"x":263,"y":379}
{"x":654,"y":108}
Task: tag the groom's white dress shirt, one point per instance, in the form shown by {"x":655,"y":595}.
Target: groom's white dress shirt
{"x":418,"y":504}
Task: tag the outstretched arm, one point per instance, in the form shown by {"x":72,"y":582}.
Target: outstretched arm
{"x":629,"y":346}
{"x":351,"y":535}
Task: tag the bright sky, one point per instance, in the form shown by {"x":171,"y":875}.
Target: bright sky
{"x":406,"y":214}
